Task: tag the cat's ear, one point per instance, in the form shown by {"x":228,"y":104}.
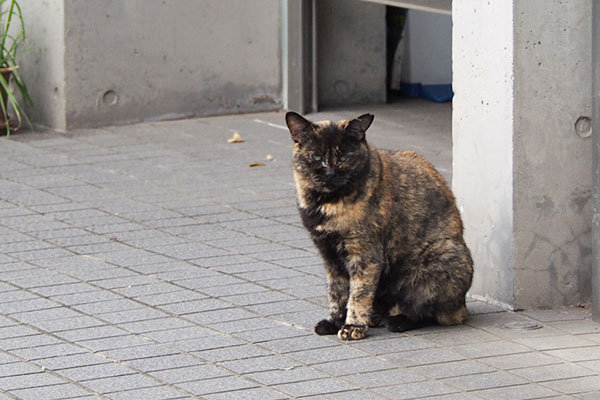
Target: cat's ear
{"x":299,"y":127}
{"x":358,"y":126}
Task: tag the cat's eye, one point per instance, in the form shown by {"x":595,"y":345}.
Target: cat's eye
{"x":317,"y":157}
{"x":344,"y":157}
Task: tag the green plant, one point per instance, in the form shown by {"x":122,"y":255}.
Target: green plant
{"x":12,"y":36}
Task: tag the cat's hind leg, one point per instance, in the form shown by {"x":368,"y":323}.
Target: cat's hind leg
{"x":438,"y":286}
{"x":377,"y":320}
{"x":401,"y":323}
{"x":455,"y":317}
{"x":398,"y":321}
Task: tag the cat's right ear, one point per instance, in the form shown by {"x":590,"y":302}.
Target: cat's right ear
{"x":299,"y":127}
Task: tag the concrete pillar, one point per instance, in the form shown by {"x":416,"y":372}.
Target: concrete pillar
{"x":298,"y":73}
{"x":596,"y":162}
{"x":522,"y":147}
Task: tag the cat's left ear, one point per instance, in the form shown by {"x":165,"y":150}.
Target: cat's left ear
{"x":358,"y":126}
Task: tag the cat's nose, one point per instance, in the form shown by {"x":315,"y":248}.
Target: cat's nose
{"x":329,"y":172}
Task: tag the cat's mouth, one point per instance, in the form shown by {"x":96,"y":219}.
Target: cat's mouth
{"x":332,"y":183}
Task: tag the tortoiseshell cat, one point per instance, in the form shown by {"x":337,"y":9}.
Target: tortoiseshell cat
{"x":387,"y":227}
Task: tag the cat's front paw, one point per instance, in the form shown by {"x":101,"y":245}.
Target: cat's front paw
{"x":353,"y":332}
{"x":326,"y":327}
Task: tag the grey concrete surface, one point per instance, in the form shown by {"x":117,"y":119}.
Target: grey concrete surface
{"x":522,"y":159}
{"x":151,"y":262}
{"x":555,"y":179}
{"x":104,"y":63}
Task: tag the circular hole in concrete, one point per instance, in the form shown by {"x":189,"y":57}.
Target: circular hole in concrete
{"x":583,"y":126}
{"x":110,"y":98}
{"x":342,"y":89}
{"x":527,"y":325}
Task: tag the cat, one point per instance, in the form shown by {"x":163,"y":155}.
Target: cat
{"x":387,"y":227}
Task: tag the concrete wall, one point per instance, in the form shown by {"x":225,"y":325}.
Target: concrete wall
{"x":522,"y":176}
{"x":42,"y":67}
{"x":351,"y":52}
{"x":134,"y":60}
{"x":428,"y":48}
{"x":552,"y":162}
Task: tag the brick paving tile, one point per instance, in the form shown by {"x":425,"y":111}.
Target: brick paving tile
{"x":71,"y":361}
{"x":553,"y":372}
{"x":354,"y":366}
{"x":575,"y":385}
{"x":520,"y":360}
{"x":318,"y":386}
{"x":216,"y":385}
{"x":589,"y":395}
{"x":484,"y":381}
{"x":54,"y":392}
{"x":423,"y":357}
{"x":104,"y":370}
{"x":592,"y":365}
{"x":577,"y":354}
{"x":155,"y":392}
{"x":555,"y":342}
{"x":521,"y":392}
{"x":286,"y":375}
{"x":248,"y":394}
{"x":452,"y":369}
{"x":188,"y":374}
{"x":414,"y":390}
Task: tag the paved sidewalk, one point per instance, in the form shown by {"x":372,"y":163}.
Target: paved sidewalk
{"x":151,"y":262}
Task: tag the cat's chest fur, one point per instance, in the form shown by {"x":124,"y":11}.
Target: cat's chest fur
{"x":337,"y":217}
{"x":343,"y":215}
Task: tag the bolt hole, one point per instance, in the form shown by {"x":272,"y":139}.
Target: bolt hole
{"x":583,"y":126}
{"x":110,"y":98}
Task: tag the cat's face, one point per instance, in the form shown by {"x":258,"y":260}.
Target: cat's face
{"x":329,"y":155}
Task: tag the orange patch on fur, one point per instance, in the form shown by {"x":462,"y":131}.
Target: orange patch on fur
{"x":343,"y":216}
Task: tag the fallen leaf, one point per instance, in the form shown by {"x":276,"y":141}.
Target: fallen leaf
{"x":256,"y":164}
{"x":270,"y":157}
{"x":236,"y":138}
